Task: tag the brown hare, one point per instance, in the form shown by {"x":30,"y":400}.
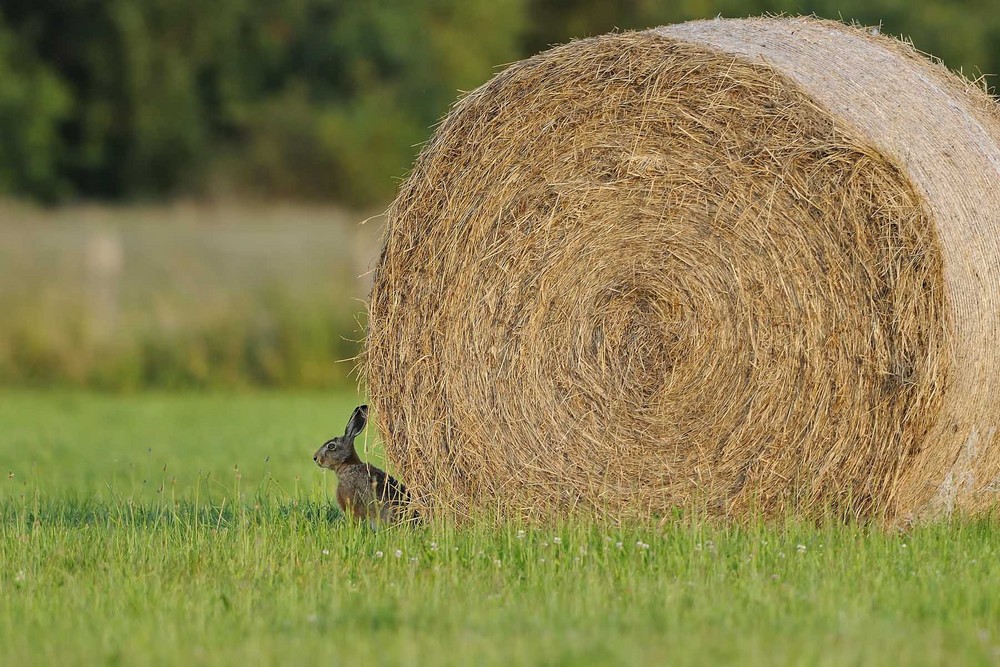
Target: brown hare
{"x":363,"y":491}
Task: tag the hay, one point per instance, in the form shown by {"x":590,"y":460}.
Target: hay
{"x":745,"y":264}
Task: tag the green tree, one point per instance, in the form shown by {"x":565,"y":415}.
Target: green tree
{"x":33,"y":104}
{"x":304,"y":98}
{"x":354,"y":87}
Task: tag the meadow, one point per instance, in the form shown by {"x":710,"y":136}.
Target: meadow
{"x":182,"y":296}
{"x":193,"y":528}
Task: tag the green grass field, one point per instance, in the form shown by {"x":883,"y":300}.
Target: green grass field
{"x":194,"y":529}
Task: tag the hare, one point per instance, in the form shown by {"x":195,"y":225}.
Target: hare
{"x":363,"y":491}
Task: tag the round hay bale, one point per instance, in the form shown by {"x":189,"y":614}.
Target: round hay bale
{"x":748,"y":265}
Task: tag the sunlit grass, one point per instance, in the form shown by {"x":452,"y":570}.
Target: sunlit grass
{"x":244,"y":559}
{"x":151,"y":449}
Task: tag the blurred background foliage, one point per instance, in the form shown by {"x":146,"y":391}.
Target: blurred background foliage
{"x":285,"y":122}
{"x":318,"y":99}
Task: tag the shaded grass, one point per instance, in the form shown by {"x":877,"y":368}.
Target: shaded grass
{"x":261,"y":570}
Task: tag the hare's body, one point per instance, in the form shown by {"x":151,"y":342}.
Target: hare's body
{"x":364,"y":492}
{"x":368,"y":493}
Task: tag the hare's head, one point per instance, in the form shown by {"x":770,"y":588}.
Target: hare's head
{"x":340,"y":450}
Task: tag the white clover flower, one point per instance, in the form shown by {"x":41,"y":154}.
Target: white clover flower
{"x":20,"y":576}
{"x":398,"y":554}
{"x":497,"y":562}
{"x":413,"y":559}
{"x":434,"y":546}
{"x":556,"y":540}
{"x":379,"y":554}
{"x":801,"y":548}
{"x":325,"y":552}
{"x":520,"y":534}
{"x":618,"y":545}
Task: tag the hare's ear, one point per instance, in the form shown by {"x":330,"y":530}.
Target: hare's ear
{"x":357,"y":422}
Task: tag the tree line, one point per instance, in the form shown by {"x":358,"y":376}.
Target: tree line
{"x":314,"y":99}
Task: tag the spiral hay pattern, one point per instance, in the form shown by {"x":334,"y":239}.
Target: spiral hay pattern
{"x":750,"y":265}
